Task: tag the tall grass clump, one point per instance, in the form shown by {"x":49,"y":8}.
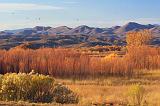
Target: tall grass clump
{"x":137,"y":95}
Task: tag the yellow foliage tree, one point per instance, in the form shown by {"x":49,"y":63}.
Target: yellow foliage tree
{"x":139,"y":38}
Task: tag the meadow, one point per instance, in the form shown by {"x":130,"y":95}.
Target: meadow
{"x":119,"y":95}
{"x":116,"y":90}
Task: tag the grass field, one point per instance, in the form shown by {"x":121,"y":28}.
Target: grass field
{"x":109,"y":90}
{"x":114,"y":90}
{"x":90,"y":94}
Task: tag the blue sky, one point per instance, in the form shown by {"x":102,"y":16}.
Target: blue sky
{"x":16,"y":14}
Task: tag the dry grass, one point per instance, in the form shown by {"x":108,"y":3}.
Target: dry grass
{"x":115,"y":89}
{"x":93,"y":93}
{"x":111,"y":89}
{"x":96,"y":94}
{"x":21,"y":103}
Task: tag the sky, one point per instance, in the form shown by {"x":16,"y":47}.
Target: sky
{"x":15,"y":14}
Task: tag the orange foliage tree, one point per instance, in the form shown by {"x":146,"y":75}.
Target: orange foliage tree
{"x":139,"y":38}
{"x":140,"y":55}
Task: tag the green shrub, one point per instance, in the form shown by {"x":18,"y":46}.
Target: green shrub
{"x":1,"y":76}
{"x":41,"y":88}
{"x":34,"y":88}
{"x":64,"y":95}
{"x":9,"y":88}
{"x":136,"y":95}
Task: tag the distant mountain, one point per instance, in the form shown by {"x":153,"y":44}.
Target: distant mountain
{"x":85,"y":30}
{"x":80,"y":36}
{"x":17,"y":30}
{"x":28,"y":31}
{"x":156,"y":30}
{"x":59,"y":30}
{"x":41,"y":28}
{"x":132,"y":26}
{"x":79,"y":30}
{"x":5,"y":33}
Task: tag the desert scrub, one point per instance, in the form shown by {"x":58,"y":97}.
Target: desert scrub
{"x":34,"y":88}
{"x":14,"y":87}
{"x":41,"y":88}
{"x":0,"y":86}
{"x":1,"y":76}
{"x":31,"y":87}
{"x":64,"y":95}
{"x":136,"y":95}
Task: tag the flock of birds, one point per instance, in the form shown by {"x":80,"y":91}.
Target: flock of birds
{"x":36,"y":19}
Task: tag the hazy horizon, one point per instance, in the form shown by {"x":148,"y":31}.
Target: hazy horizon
{"x":75,"y":26}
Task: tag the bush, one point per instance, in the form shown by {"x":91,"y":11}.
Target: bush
{"x":9,"y":88}
{"x":41,"y":88}
{"x":1,"y":76}
{"x":64,"y":96}
{"x":136,"y":95}
{"x":34,"y":88}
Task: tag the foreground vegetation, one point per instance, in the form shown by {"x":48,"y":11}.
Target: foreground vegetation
{"x":116,"y":90}
{"x":34,"y":88}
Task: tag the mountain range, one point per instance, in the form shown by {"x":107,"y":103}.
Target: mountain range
{"x":81,"y":35}
{"x":85,"y":30}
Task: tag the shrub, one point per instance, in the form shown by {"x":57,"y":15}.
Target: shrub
{"x":1,"y":80}
{"x":41,"y":88}
{"x":10,"y":88}
{"x":34,"y":88}
{"x":1,"y":76}
{"x":136,"y":95}
{"x":64,"y":95}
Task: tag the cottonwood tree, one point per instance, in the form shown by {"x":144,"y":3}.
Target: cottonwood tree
{"x":139,"y":38}
{"x":138,"y":51}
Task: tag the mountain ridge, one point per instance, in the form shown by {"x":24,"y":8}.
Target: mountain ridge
{"x":81,"y":36}
{"x":83,"y":29}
